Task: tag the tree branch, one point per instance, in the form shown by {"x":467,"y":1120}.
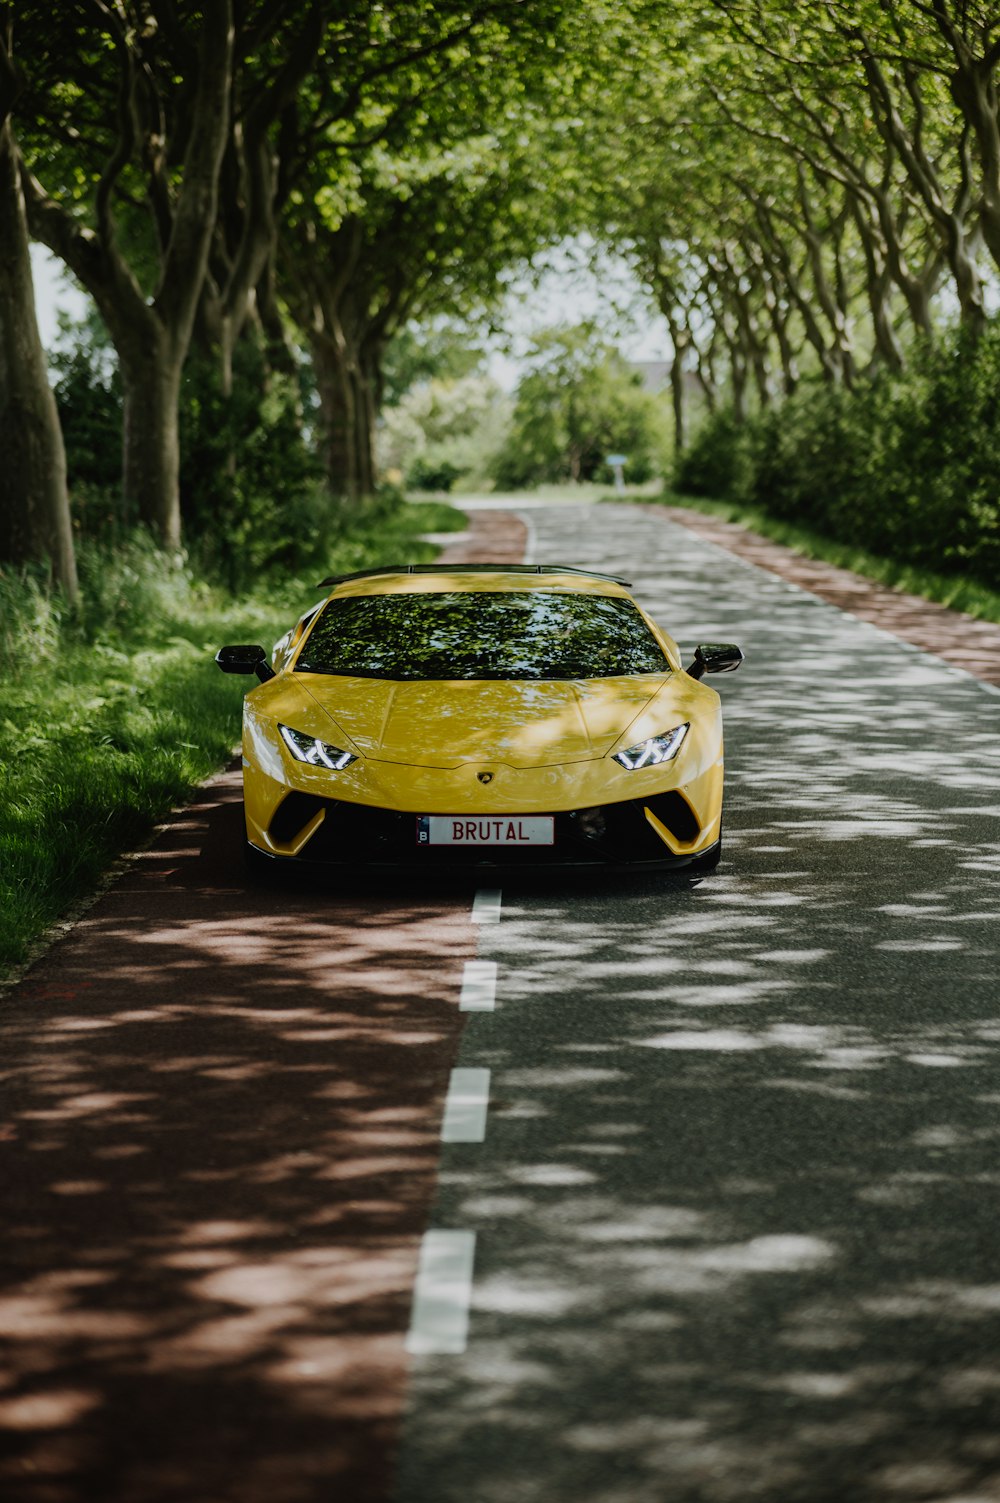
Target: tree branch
{"x":12,"y":80}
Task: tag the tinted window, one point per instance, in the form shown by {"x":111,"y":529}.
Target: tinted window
{"x":529,"y":634}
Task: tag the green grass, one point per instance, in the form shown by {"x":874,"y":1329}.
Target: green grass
{"x":112,"y":715}
{"x":567,"y":490}
{"x":952,"y":590}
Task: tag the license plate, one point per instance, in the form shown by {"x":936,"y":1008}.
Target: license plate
{"x":505,"y":829}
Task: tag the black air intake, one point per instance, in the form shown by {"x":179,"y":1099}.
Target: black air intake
{"x":292,"y":815}
{"x":673,"y":810}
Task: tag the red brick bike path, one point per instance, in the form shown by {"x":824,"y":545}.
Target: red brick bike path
{"x":963,"y":640}
{"x":219,"y":1134}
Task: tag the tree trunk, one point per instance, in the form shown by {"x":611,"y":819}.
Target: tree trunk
{"x":737,"y":375}
{"x":975,"y":93}
{"x":151,"y":380}
{"x":707,"y":385}
{"x":705,"y":369}
{"x":779,"y":317}
{"x":34,"y":505}
{"x":337,"y":402}
{"x":838,"y":347}
{"x":778,"y":263}
{"x":364,"y":407}
{"x":917,"y":288}
{"x":372,"y":392}
{"x":670,"y":305}
{"x":879,"y":285}
{"x":888,"y":351}
{"x":754,"y":349}
{"x":151,"y":338}
{"x":347,"y":391}
{"x":279,"y":351}
{"x":968,"y":285}
{"x":677,"y":402}
{"x":679,"y":343}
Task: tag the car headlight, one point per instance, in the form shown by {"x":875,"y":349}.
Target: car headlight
{"x":314,"y":751}
{"x":654,"y":751}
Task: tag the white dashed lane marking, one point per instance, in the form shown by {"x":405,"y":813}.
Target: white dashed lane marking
{"x":440,"y":1318}
{"x":465,"y":1106}
{"x":439,"y":1321}
{"x":486,"y":906}
{"x":479,"y":986}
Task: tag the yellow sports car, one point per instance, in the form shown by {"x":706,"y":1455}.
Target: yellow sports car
{"x":506,"y":714}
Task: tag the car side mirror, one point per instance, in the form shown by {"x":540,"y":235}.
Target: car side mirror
{"x":245,"y":659}
{"x":715,"y":657}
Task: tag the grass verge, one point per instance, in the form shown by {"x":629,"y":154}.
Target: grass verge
{"x":111,"y":717}
{"x":952,"y":590}
{"x":562,"y":490}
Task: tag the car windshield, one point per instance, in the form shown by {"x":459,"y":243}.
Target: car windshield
{"x":467,"y":634}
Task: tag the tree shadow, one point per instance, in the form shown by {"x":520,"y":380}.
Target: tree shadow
{"x":219,"y":1141}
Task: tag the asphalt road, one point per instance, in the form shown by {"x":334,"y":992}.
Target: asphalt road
{"x":736,"y":1207}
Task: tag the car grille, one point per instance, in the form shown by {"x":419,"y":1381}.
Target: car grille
{"x":608,"y":832}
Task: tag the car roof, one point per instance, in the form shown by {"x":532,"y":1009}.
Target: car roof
{"x":432,"y":578}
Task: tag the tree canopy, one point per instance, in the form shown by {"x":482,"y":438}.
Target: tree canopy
{"x":805,"y":192}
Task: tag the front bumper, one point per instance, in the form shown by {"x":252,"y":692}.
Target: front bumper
{"x":662,"y":831}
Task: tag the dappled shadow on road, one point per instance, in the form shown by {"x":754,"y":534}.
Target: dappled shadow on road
{"x":220,"y":1122}
{"x":737,"y":1210}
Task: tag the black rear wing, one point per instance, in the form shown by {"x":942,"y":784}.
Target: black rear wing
{"x":338,"y":579}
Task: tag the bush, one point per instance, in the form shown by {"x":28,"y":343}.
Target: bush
{"x":445,"y":430}
{"x":88,"y":396}
{"x":905,"y":465}
{"x":31,"y":620}
{"x":127,"y":588}
{"x":717,"y":461}
{"x":251,"y":493}
{"x":428,"y":473}
{"x":578,"y":403}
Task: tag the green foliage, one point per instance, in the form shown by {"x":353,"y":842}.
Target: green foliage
{"x":422,"y":224}
{"x":89,"y":398}
{"x":904,"y":465}
{"x":416,"y":355}
{"x":111,"y":715}
{"x":717,"y":460}
{"x":578,"y":402}
{"x":430,"y":473}
{"x":444,"y":431}
{"x":250,"y":489}
{"x":251,"y":496}
{"x":128,"y":589}
{"x":31,"y":620}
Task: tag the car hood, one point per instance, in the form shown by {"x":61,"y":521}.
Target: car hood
{"x":521,"y":724}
